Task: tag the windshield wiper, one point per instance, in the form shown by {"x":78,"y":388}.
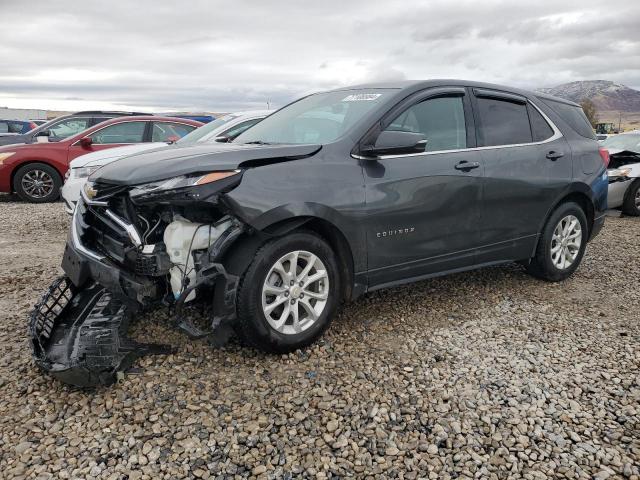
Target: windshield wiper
{"x":257,"y":142}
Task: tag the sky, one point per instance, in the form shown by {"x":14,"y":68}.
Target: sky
{"x":157,"y":55}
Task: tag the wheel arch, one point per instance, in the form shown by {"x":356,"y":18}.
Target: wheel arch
{"x":578,"y":194}
{"x":18,"y":166}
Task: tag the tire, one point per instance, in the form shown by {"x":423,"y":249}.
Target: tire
{"x":262,"y":287}
{"x":559,"y":265}
{"x":26,"y":178}
{"x":631,"y":205}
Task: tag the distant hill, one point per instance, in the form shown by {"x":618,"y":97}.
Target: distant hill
{"x":606,"y":95}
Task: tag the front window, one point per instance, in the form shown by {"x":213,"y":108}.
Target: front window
{"x":203,"y":133}
{"x":623,"y":142}
{"x":440,"y":120}
{"x":126,"y":132}
{"x":67,"y":128}
{"x":319,"y":118}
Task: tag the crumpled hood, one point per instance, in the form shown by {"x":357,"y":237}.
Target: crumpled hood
{"x":616,"y":151}
{"x":108,"y":155}
{"x":173,"y":161}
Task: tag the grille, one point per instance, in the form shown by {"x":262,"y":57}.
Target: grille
{"x":100,"y":233}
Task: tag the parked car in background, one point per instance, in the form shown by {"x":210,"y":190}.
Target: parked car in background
{"x":35,"y":171}
{"x":624,"y":172}
{"x":16,"y":126}
{"x":63,"y":127}
{"x":39,"y":122}
{"x":223,"y":129}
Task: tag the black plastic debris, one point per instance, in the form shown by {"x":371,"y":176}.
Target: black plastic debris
{"x":80,"y":335}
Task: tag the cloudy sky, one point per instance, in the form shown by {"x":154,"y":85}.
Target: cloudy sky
{"x":225,"y":56}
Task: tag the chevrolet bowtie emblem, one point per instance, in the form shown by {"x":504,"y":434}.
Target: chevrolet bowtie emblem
{"x":90,"y":191}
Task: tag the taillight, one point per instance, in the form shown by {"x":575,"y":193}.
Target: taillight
{"x":604,"y":154}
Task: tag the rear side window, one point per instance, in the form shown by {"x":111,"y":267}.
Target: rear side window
{"x":125,"y":132}
{"x":440,"y":120}
{"x":574,"y":116}
{"x":503,"y":122}
{"x":167,"y":132}
{"x":540,"y":129}
{"x":4,"y":127}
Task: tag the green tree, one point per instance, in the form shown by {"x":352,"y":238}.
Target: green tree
{"x":590,"y":111}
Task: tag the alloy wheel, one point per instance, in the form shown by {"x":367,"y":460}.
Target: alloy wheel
{"x":295,"y":292}
{"x":37,"y":183}
{"x":566,"y":242}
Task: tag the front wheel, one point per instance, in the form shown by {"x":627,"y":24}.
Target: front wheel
{"x":289,"y":294}
{"x":37,"y":183}
{"x":631,"y":205}
{"x":562,"y":244}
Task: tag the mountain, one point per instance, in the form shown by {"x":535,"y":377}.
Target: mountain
{"x":606,"y":95}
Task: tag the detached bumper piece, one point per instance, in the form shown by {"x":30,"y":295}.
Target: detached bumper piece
{"x":79,"y":335}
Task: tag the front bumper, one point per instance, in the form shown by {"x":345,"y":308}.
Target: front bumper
{"x":617,"y":189}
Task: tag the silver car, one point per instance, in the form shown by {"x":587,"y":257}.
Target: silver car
{"x":624,"y":172}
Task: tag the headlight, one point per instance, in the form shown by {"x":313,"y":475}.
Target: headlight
{"x":5,"y":155}
{"x":83,"y":172}
{"x":181,"y":182}
{"x":618,"y":172}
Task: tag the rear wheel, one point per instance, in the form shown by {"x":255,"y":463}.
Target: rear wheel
{"x":289,"y":294}
{"x":562,"y":244}
{"x":631,"y":205}
{"x":37,"y":183}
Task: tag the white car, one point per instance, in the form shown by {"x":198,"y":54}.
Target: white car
{"x":624,"y":172}
{"x":222,"y":129}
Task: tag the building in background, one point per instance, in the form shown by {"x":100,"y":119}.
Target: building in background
{"x":22,"y":114}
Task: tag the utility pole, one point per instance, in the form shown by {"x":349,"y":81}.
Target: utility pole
{"x":619,"y":122}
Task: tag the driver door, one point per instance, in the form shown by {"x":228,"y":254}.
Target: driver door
{"x":424,"y":208}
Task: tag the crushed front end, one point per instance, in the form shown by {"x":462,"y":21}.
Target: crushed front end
{"x":133,"y":248}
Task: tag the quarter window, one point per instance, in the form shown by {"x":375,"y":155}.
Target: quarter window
{"x":503,"y":122}
{"x":126,"y":132}
{"x":241,"y":127}
{"x":440,"y":120}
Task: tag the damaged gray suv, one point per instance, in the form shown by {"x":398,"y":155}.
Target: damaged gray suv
{"x":335,"y":195}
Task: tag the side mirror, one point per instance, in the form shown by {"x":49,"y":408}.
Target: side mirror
{"x":172,"y":139}
{"x":86,"y":142}
{"x":223,"y":139}
{"x":396,"y":143}
{"x":43,"y":136}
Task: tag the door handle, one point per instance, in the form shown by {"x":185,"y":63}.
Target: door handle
{"x":466,"y":166}
{"x":553,"y":155}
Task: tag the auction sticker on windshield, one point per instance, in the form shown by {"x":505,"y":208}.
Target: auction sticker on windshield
{"x":361,"y":97}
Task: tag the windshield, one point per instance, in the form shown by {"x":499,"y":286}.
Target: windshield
{"x":623,"y":142}
{"x":199,"y":133}
{"x":319,"y":118}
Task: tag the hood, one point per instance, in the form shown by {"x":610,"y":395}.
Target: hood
{"x":617,"y":151}
{"x":16,"y":147}
{"x":108,"y":155}
{"x":165,"y":163}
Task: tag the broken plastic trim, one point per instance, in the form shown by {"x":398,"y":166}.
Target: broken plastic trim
{"x":80,"y":336}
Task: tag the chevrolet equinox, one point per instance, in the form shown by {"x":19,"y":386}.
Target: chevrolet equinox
{"x":337,"y":194}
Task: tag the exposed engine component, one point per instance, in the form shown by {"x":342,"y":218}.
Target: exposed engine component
{"x":80,"y":335}
{"x":182,"y":238}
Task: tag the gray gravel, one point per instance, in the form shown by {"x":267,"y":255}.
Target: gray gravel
{"x":488,"y":374}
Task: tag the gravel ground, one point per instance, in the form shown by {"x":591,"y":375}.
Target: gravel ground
{"x":488,"y":374}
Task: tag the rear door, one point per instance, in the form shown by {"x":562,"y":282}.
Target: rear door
{"x":424,"y":208}
{"x":527,"y":162}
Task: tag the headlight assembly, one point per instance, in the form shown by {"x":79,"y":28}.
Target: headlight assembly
{"x":83,"y":172}
{"x":189,"y":184}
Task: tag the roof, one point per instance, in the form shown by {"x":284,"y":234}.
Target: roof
{"x":415,"y":85}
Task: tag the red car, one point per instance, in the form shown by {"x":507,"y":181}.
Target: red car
{"x":35,"y":171}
